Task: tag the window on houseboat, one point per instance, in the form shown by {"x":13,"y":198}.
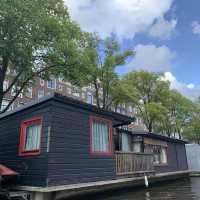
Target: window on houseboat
{"x":126,"y":142}
{"x":158,"y":149}
{"x":32,"y":141}
{"x":30,"y":137}
{"x":138,"y":145}
{"x":100,"y":135}
{"x":160,"y":155}
{"x":163,"y":155}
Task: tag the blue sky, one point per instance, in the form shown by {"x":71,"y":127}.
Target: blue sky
{"x":164,"y":33}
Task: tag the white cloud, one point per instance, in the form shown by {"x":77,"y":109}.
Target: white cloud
{"x":191,"y":86}
{"x":124,"y":17}
{"x":196,"y":28}
{"x":163,"y":29}
{"x":189,"y":90}
{"x":152,"y":58}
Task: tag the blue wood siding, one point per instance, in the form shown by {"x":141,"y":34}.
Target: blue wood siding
{"x":69,"y":159}
{"x":32,"y":169}
{"x":176,"y":156}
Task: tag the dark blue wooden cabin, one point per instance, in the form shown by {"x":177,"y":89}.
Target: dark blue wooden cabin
{"x":61,"y":141}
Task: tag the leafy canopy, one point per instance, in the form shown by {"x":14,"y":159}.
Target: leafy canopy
{"x":102,"y":58}
{"x":38,"y":38}
{"x":146,"y":91}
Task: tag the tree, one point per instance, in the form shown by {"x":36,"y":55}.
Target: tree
{"x":192,"y":130}
{"x":180,"y":111}
{"x":146,"y":91}
{"x":102,"y":58}
{"x":37,"y":38}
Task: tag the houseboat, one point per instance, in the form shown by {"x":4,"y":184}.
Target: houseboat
{"x":60,"y":145}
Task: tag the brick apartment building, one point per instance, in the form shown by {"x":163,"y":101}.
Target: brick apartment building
{"x":44,"y":88}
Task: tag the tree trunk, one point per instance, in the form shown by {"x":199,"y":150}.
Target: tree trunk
{"x":3,"y":70}
{"x":150,"y":127}
{"x":97,"y":93}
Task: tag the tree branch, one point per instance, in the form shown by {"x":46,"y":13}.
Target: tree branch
{"x":13,"y":82}
{"x":23,"y":85}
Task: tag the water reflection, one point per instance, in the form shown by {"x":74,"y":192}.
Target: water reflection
{"x":186,"y":189}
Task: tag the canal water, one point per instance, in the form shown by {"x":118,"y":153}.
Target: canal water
{"x":184,"y":189}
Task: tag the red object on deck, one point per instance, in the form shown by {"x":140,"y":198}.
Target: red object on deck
{"x":5,"y":171}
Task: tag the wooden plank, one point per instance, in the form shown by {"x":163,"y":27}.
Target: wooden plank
{"x":130,"y":163}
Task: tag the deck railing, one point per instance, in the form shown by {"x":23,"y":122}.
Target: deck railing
{"x":133,"y":163}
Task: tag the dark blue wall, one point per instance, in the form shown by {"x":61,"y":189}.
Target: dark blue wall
{"x":176,"y":157}
{"x":69,"y":159}
{"x":33,"y":169}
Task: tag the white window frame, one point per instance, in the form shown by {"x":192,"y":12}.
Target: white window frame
{"x":29,"y":92}
{"x":51,"y":86}
{"x":40,"y":96}
{"x":5,"y":85}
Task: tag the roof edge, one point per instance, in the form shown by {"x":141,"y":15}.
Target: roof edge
{"x":73,"y":102}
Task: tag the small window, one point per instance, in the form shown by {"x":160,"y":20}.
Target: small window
{"x":101,"y":136}
{"x":51,"y":83}
{"x":41,"y":82}
{"x":15,"y":90}
{"x":30,"y":137}
{"x":29,"y":92}
{"x":5,"y":85}
{"x":76,"y":91}
{"x":160,"y":155}
{"x":126,"y":142}
{"x":40,"y":94}
{"x":5,"y":104}
{"x":89,"y":98}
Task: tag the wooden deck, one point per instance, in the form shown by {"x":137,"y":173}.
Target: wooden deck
{"x":133,"y":163}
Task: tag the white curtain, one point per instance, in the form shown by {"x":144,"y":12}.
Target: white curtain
{"x":100,"y":137}
{"x":137,"y":147}
{"x":126,"y":142}
{"x":32,"y":137}
{"x":163,"y":156}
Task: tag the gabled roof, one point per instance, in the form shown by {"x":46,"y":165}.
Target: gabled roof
{"x":123,"y":119}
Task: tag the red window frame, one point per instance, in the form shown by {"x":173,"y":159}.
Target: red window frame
{"x":23,"y":127}
{"x":109,"y":123}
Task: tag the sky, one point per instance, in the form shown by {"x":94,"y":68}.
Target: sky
{"x":164,"y":33}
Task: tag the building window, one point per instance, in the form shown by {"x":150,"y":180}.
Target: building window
{"x":60,"y":88}
{"x":29,"y":92}
{"x":69,"y":90}
{"x":101,"y":136}
{"x":118,"y":110}
{"x":40,"y":94}
{"x":89,"y":98}
{"x":5,"y":85}
{"x":41,"y":82}
{"x":61,"y":79}
{"x":30,"y":137}
{"x":5,"y":104}
{"x":51,"y":83}
{"x":75,"y":91}
{"x":15,"y":90}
